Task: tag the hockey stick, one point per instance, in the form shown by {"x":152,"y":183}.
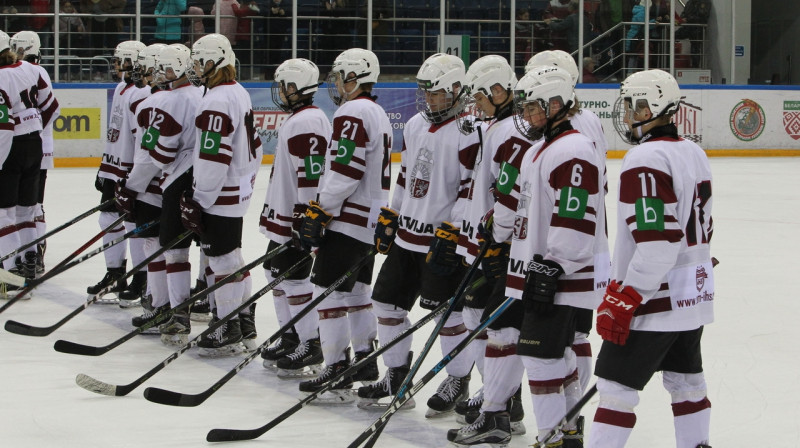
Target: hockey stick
{"x":187,"y":400}
{"x":399,"y":402}
{"x":571,"y":414}
{"x":54,"y":231}
{"x":432,"y":338}
{"x":88,"y":350}
{"x":29,"y":286}
{"x":231,"y":435}
{"x":93,"y":385}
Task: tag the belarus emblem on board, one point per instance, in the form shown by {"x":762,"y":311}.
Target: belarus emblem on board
{"x":791,"y":118}
{"x":747,"y":120}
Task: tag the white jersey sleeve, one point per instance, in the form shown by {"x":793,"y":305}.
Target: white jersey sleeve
{"x":50,"y":112}
{"x":117,"y":158}
{"x":170,"y":136}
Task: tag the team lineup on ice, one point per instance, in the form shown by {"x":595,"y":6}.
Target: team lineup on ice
{"x":553,"y":285}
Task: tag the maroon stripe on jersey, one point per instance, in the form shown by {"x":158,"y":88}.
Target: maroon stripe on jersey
{"x":47,"y":114}
{"x":646,"y":236}
{"x":631,"y":185}
{"x":303,"y":182}
{"x":493,"y":351}
{"x":586,"y":269}
{"x":690,"y":407}
{"x":463,"y":241}
{"x":222,"y":123}
{"x":26,"y":225}
{"x":178,"y":267}
{"x":584,"y":350}
{"x":507,"y":200}
{"x":332,"y":313}
{"x":230,"y":188}
{"x":580,"y":225}
{"x":420,"y":240}
{"x":127,"y":165}
{"x":227,"y":200}
{"x":8,"y":230}
{"x":615,"y":418}
{"x":353,"y":205}
{"x":401,"y":179}
{"x":154,"y":189}
{"x":299,"y":299}
{"x":113,"y":170}
{"x":162,"y":158}
{"x":652,"y":306}
{"x":156,"y":266}
{"x":354,"y":219}
{"x":347,"y":170}
{"x":224,"y":159}
{"x":515,"y":282}
{"x":276,"y":228}
{"x":7,"y":126}
{"x":579,"y":285}
{"x":632,"y":219}
{"x":563,"y":176}
{"x":468,"y":155}
{"x":544,"y":387}
{"x":589,"y":210}
{"x":166,"y":149}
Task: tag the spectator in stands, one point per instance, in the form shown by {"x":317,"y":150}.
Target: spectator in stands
{"x":197,"y":28}
{"x":279,"y":26}
{"x":104,"y":30}
{"x":570,"y":25}
{"x":696,"y":12}
{"x":70,"y":30}
{"x":234,"y":26}
{"x":523,"y":32}
{"x":168,"y":29}
{"x":40,"y":24}
{"x":337,"y":31}
{"x":588,"y":71}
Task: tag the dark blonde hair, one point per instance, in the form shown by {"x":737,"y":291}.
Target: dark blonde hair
{"x":575,"y":109}
{"x":7,"y":57}
{"x":221,"y":76}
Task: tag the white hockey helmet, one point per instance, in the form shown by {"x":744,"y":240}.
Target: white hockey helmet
{"x":302,"y":75}
{"x":364,"y":66}
{"x":173,"y":57}
{"x":441,"y":73}
{"x":557,"y":58}
{"x":145,"y":62}
{"x":489,"y":71}
{"x":5,"y":41}
{"x":211,"y":47}
{"x":28,"y":43}
{"x":654,"y":89}
{"x":544,"y":85}
{"x":127,"y":51}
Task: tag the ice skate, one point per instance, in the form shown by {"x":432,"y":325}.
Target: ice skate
{"x":514,"y":409}
{"x":304,"y":362}
{"x":224,"y":341}
{"x":40,"y":250}
{"x":13,"y":282}
{"x":175,"y":331}
{"x":470,"y":407}
{"x":388,"y":387}
{"x":368,"y":373}
{"x":248,"y":325}
{"x":201,"y":309}
{"x":286,"y":344}
{"x":112,"y":277}
{"x":150,"y":313}
{"x":132,"y":295}
{"x":574,"y":438}
{"x":489,"y":429}
{"x":341,"y":393}
{"x":450,"y":391}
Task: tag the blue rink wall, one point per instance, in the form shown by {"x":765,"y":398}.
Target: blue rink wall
{"x":725,"y":120}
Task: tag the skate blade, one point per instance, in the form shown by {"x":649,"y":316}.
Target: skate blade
{"x":518,"y":428}
{"x":175,"y":340}
{"x":271,"y":365}
{"x":222,"y":352}
{"x":250,"y":345}
{"x":308,"y":372}
{"x":200,"y":317}
{"x":433,"y":413}
{"x":129,"y":303}
{"x":335,"y":398}
{"x":372,"y":405}
{"x":152,"y":330}
{"x":108,"y":299}
{"x":481,"y":445}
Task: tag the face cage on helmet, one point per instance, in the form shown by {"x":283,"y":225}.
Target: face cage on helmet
{"x":195,"y":79}
{"x":277,"y":88}
{"x":454,"y":108}
{"x":522,"y":124}
{"x":333,"y":90}
{"x":469,"y":118}
{"x":618,"y":115}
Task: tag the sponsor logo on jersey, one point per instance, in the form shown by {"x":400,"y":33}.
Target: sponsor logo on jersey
{"x":3,"y":113}
{"x":573,"y":202}
{"x":209,"y":142}
{"x":747,"y":120}
{"x":791,"y":118}
{"x":344,"y":151}
{"x":315,"y":165}
{"x":421,"y":174}
{"x":650,"y":214}
{"x":507,"y":178}
{"x":700,"y":277}
{"x":77,"y":124}
{"x":150,"y":138}
{"x":689,"y":121}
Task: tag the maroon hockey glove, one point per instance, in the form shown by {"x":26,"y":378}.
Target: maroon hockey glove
{"x":442,"y":258}
{"x":191,"y":213}
{"x":541,"y":283}
{"x":314,"y":223}
{"x":124,"y":199}
{"x":615,"y":313}
{"x":495,"y":262}
{"x":386,"y":230}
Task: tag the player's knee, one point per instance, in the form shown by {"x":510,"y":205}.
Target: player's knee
{"x":177,"y":255}
{"x":685,"y":386}
{"x":503,"y":337}
{"x":617,"y":396}
{"x":389,"y":314}
{"x":226,"y":264}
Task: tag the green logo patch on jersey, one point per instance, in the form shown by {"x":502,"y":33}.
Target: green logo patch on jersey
{"x":3,"y":113}
{"x":344,"y":151}
{"x":209,"y":142}
{"x":650,"y":214}
{"x":572,"y":203}
{"x":314,"y":166}
{"x":507,"y":178}
{"x":150,"y":138}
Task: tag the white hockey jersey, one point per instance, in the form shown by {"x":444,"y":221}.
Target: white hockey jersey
{"x":497,"y":169}
{"x":560,"y":214}
{"x":26,"y":102}
{"x":296,"y":170}
{"x":48,"y":117}
{"x":434,"y":180}
{"x":357,"y":175}
{"x":227,"y":151}
{"x":144,"y":178}
{"x":664,"y":228}
{"x":118,"y":152}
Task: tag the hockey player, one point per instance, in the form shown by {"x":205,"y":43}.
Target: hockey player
{"x":491,"y":81}
{"x":557,"y":230}
{"x":227,"y":156}
{"x":429,"y":197}
{"x":26,"y":104}
{"x":351,"y":192}
{"x":298,"y":165}
{"x":27,"y":46}
{"x":662,"y":288}
{"x":116,"y":162}
{"x":162,"y":171}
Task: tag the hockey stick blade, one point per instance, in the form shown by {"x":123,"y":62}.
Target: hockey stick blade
{"x":11,"y":279}
{"x":99,"y":387}
{"x":15,"y":327}
{"x":171,"y":398}
{"x":74,"y":348}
